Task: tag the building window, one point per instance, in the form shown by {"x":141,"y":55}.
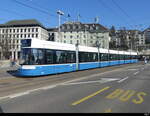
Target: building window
{"x":28,"y":35}
{"x":28,"y":30}
{"x":14,"y":30}
{"x":64,"y":41}
{"x":25,"y":35}
{"x":36,"y":35}
{"x":21,"y":30}
{"x":71,"y":36}
{"x":70,"y":41}
{"x":25,"y":30}
{"x":32,"y":29}
{"x":33,"y":35}
{"x":36,"y":29}
{"x":64,"y":36}
{"x":17,"y":30}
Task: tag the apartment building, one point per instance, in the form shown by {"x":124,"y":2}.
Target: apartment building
{"x":84,"y":34}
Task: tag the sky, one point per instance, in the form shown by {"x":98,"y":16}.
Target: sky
{"x":132,"y":14}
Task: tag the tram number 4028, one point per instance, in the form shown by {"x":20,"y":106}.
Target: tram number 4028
{"x":125,"y":95}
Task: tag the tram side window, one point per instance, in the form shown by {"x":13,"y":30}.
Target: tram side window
{"x":125,"y":57}
{"x":104,"y":57}
{"x":39,"y":56}
{"x":63,"y":57}
{"x":71,"y":57}
{"x":118,"y":57}
{"x":95,"y":57}
{"x":88,"y":57}
{"x":121,"y":57}
{"x":112,"y":57}
{"x":49,"y":57}
{"x":81,"y":57}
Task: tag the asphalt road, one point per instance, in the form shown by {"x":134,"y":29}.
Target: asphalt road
{"x":120,"y":90}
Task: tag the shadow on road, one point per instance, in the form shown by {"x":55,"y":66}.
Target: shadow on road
{"x":12,"y":72}
{"x":1,"y":111}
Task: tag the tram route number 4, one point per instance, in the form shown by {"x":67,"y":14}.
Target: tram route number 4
{"x":125,"y":95}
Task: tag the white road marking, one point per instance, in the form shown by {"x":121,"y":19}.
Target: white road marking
{"x":18,"y":95}
{"x":27,"y":92}
{"x":110,"y":79}
{"x":133,"y":69}
{"x":49,"y":87}
{"x":87,"y":82}
{"x":143,"y":68}
{"x":103,"y":80}
{"x":123,"y":79}
{"x":136,"y":73}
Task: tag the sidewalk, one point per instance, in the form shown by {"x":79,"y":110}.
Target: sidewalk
{"x":6,"y":70}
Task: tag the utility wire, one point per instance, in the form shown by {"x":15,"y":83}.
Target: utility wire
{"x":16,"y":13}
{"x":112,"y":10}
{"x":12,"y":12}
{"x":34,"y":8}
{"x":123,"y":11}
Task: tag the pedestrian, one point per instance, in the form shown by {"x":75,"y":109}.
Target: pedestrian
{"x":145,"y":60}
{"x":12,"y":62}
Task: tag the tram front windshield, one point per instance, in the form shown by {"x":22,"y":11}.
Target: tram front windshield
{"x":32,"y":56}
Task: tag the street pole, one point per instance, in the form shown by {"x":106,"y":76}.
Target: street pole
{"x":98,"y":47}
{"x":86,"y":33}
{"x":77,"y":55}
{"x":130,"y":52}
{"x":60,"y":13}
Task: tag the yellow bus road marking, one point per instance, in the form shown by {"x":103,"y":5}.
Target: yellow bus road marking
{"x":90,"y":96}
{"x":108,"y":111}
{"x":127,"y":95}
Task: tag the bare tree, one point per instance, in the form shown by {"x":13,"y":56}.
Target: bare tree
{"x":4,"y":45}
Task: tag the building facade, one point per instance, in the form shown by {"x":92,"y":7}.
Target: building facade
{"x":84,"y":34}
{"x":147,"y":35}
{"x":12,"y":32}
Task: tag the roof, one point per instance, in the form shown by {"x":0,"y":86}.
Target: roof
{"x":52,"y":29}
{"x":78,"y":26}
{"x":18,"y":23}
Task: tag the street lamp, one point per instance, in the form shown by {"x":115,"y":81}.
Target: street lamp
{"x":86,"y":32}
{"x":77,"y":55}
{"x":98,"y":47}
{"x":60,"y":13}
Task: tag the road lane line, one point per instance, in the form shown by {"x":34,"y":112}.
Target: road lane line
{"x":90,"y":96}
{"x":136,"y":73}
{"x":27,"y":92}
{"x":18,"y":95}
{"x":123,"y":79}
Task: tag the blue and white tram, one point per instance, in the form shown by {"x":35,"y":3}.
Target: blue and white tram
{"x":39,"y":58}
